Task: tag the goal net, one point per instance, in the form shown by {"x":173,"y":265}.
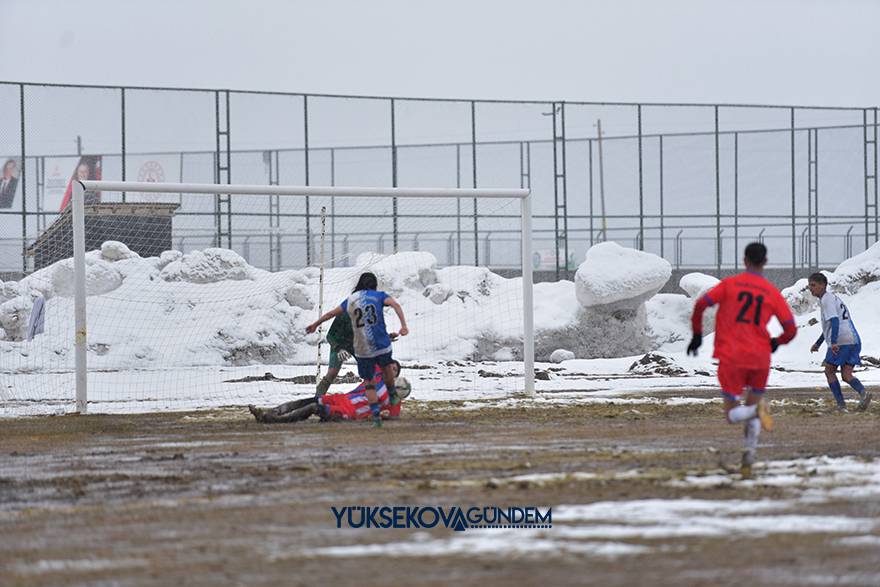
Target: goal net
{"x":193,"y":296}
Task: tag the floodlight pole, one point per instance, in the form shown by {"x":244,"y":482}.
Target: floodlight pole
{"x":79,"y":295}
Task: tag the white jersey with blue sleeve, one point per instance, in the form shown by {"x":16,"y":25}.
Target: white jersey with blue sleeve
{"x":830,"y":307}
{"x":365,"y":308}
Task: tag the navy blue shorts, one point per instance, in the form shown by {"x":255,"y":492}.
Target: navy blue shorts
{"x":847,"y":354}
{"x":367,"y":367}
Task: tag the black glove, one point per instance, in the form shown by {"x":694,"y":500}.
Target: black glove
{"x":774,"y":344}
{"x":696,"y":341}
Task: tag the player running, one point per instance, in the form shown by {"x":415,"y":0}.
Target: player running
{"x":743,"y":345}
{"x":339,"y":406}
{"x":372,"y":343}
{"x":842,"y":338}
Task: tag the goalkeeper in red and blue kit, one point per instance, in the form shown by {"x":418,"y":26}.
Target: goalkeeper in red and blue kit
{"x":742,"y":344}
{"x":353,"y":405}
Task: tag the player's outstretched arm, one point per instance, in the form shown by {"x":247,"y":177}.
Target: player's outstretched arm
{"x":697,"y":324}
{"x":327,"y":316}
{"x":789,"y":328}
{"x":389,"y":301}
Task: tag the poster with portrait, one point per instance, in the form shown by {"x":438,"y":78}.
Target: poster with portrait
{"x":9,"y":181}
{"x":58,"y":176}
{"x":87,"y":167}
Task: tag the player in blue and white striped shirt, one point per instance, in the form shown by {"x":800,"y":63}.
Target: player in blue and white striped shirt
{"x":372,"y":342}
{"x":842,"y":338}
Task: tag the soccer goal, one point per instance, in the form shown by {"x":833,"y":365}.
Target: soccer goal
{"x":213,"y":310}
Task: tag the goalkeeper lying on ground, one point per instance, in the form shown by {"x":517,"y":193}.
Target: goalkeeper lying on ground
{"x":338,"y":406}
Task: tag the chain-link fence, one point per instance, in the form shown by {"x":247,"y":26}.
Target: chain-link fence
{"x":692,"y":183}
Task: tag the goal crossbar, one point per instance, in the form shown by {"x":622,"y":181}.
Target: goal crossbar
{"x":79,"y":246}
{"x":270,"y":190}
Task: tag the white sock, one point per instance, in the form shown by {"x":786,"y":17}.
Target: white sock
{"x":751,"y":432}
{"x":740,"y":413}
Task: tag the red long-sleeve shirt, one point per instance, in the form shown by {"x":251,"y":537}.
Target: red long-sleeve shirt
{"x":746,"y":303}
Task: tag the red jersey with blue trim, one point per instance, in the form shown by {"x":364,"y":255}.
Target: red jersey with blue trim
{"x":746,"y":303}
{"x":354,"y":405}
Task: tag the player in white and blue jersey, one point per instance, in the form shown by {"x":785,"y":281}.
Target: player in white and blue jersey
{"x":844,"y":345}
{"x":372,"y":342}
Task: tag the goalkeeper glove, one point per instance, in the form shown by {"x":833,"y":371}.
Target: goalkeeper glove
{"x":343,"y":355}
{"x":696,"y":341}
{"x":774,"y":344}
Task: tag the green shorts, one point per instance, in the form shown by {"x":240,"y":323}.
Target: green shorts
{"x":334,"y":362}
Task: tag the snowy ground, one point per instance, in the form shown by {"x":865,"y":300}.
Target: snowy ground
{"x":575,"y":381}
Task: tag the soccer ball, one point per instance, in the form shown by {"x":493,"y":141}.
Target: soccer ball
{"x":401,"y":384}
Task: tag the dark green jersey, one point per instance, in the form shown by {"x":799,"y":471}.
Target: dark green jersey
{"x":340,"y":336}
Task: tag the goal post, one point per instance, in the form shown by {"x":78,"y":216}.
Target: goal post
{"x":80,"y":188}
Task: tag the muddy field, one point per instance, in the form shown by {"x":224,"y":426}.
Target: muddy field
{"x":638,"y":497}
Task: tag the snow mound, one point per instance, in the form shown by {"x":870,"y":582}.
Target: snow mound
{"x":612,"y":273}
{"x":560,"y":355}
{"x":669,"y":320}
{"x":400,"y":271}
{"x":856,"y":272}
{"x":697,"y":284}
{"x":208,"y":266}
{"x":116,"y":251}
{"x":611,"y":287}
{"x":101,"y":277}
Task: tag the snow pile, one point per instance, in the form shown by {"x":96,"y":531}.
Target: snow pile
{"x":612,"y":274}
{"x":696,"y":285}
{"x":611,"y":285}
{"x":848,"y":279}
{"x":859,"y":271}
{"x":210,"y":308}
{"x":560,"y":355}
{"x":208,"y":266}
{"x":205,"y":308}
{"x":401,"y":271}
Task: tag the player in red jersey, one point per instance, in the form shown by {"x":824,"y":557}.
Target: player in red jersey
{"x":742,"y":344}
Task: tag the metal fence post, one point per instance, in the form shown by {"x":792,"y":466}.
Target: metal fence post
{"x":660,"y":151}
{"x":793,"y":205}
{"x":717,"y":198}
{"x":641,"y":246}
{"x":23,"y":183}
{"x":307,"y":178}
{"x":736,"y":200}
{"x":474,"y":164}
{"x":122,"y":107}
{"x":393,"y":179}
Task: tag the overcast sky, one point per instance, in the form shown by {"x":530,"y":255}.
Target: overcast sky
{"x":749,"y":51}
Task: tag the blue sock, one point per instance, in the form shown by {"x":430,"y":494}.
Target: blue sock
{"x":838,"y":395}
{"x":375,"y":409}
{"x":857,"y":385}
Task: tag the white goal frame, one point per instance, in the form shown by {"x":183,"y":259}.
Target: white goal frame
{"x":79,"y":246}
